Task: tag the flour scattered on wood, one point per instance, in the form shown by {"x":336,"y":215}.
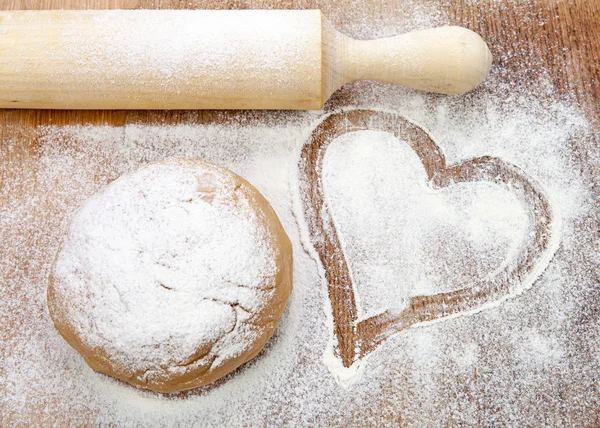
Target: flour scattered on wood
{"x":490,"y":367}
{"x":371,"y":178}
{"x":179,"y":58}
{"x":203,"y":42}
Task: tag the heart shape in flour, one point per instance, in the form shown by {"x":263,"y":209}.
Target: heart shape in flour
{"x":354,"y":337}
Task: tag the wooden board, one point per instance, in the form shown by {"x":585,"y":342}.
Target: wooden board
{"x":565,"y":48}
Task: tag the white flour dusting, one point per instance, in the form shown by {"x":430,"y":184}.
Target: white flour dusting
{"x":166,"y":271}
{"x":204,"y":45}
{"x":373,"y":179}
{"x":289,"y":382}
{"x":172,"y":58}
{"x":488,"y":369}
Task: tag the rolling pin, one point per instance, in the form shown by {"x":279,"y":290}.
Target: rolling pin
{"x":209,"y":59}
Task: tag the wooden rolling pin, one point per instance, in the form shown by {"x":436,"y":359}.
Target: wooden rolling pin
{"x":250,"y":59}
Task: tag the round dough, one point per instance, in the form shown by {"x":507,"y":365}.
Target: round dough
{"x":172,"y":276}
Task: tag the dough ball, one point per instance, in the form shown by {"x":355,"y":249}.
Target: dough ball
{"x":172,"y":276}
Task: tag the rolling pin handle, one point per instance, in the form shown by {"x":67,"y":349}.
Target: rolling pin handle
{"x":447,"y":60}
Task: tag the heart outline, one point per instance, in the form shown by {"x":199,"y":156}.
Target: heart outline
{"x":354,"y":338}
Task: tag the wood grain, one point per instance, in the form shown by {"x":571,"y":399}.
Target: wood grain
{"x":554,"y":39}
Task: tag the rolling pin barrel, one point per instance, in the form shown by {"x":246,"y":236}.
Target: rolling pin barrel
{"x":251,"y":59}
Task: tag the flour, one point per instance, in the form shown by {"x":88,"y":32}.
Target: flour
{"x":166,"y":271}
{"x":202,"y":42}
{"x":530,"y":361}
{"x":484,"y":222}
{"x":172,"y":58}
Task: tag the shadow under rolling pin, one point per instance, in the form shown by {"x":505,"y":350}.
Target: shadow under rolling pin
{"x":242,"y":59}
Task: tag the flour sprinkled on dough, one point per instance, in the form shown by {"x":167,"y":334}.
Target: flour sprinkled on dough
{"x":168,"y":270}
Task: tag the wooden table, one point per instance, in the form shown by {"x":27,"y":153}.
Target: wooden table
{"x":566,"y":47}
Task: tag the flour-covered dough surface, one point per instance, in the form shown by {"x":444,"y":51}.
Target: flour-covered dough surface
{"x":172,"y":276}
